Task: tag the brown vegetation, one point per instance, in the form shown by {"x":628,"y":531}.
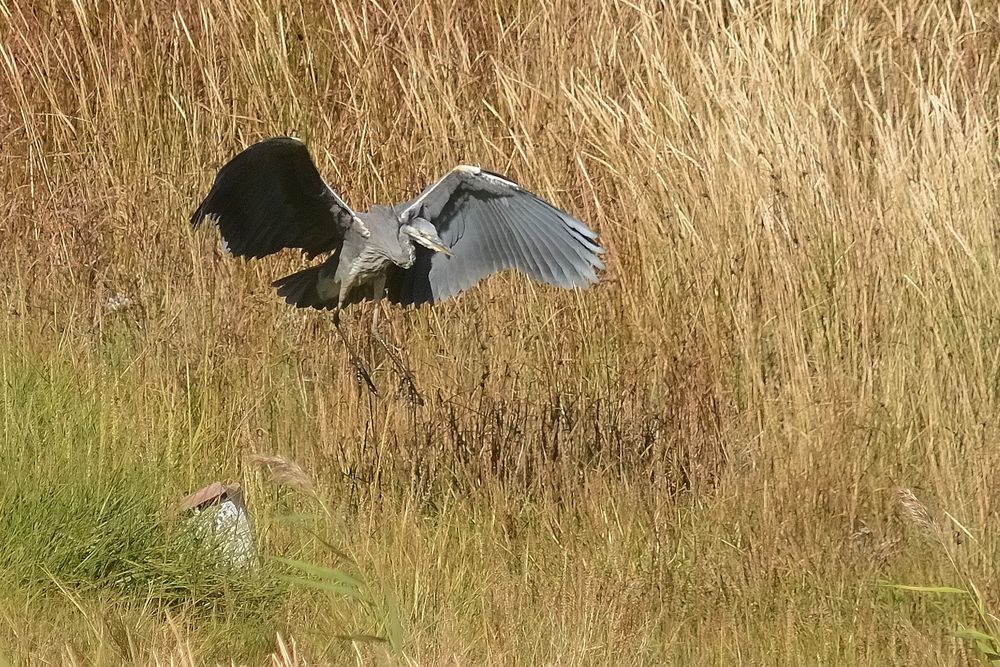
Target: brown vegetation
{"x":695,"y":461}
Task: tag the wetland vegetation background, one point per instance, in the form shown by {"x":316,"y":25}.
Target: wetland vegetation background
{"x":703,"y":460}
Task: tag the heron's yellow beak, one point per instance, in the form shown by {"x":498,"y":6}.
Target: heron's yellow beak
{"x":431,"y":241}
{"x":441,"y":249}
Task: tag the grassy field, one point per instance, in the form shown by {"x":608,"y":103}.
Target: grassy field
{"x":783,"y":394}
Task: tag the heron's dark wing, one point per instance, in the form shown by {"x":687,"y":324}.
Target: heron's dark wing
{"x":270,"y":196}
{"x":491,"y":224}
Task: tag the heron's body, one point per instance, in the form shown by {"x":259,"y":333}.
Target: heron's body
{"x":466,"y":225}
{"x":372,"y":257}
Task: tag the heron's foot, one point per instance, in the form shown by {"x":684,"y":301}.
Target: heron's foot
{"x":361,"y":373}
{"x":409,"y":386}
{"x":407,"y":383}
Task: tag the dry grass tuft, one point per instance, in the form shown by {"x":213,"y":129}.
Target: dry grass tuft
{"x":915,"y":512}
{"x":283,"y":471}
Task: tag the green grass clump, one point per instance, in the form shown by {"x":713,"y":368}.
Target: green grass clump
{"x":71,"y":530}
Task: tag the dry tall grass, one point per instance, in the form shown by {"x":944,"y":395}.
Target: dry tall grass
{"x":693,"y":462}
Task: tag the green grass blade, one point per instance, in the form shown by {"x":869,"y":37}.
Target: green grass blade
{"x":973,"y":634}
{"x":321,"y":572}
{"x":328,"y":586}
{"x":393,"y":624}
{"x":946,"y":590}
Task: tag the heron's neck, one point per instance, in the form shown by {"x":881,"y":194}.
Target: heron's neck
{"x":408,"y":252}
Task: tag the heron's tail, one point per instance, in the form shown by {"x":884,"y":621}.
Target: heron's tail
{"x":301,"y":289}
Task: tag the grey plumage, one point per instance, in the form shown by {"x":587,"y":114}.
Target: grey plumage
{"x":467,"y":225}
{"x":492,"y":224}
{"x":271,"y":197}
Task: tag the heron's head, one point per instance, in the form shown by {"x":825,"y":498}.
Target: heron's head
{"x":426,"y":235}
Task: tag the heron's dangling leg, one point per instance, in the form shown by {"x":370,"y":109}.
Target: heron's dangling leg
{"x":359,"y":366}
{"x":406,"y":377}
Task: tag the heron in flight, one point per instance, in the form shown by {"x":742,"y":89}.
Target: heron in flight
{"x":465,"y":226}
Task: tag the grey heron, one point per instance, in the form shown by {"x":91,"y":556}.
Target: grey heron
{"x":465,"y":226}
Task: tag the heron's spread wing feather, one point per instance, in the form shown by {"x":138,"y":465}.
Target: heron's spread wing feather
{"x":301,"y":289}
{"x":492,"y":224}
{"x":270,"y":196}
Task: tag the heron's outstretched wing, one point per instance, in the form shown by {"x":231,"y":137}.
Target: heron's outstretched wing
{"x":270,"y":196}
{"x":491,"y":224}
